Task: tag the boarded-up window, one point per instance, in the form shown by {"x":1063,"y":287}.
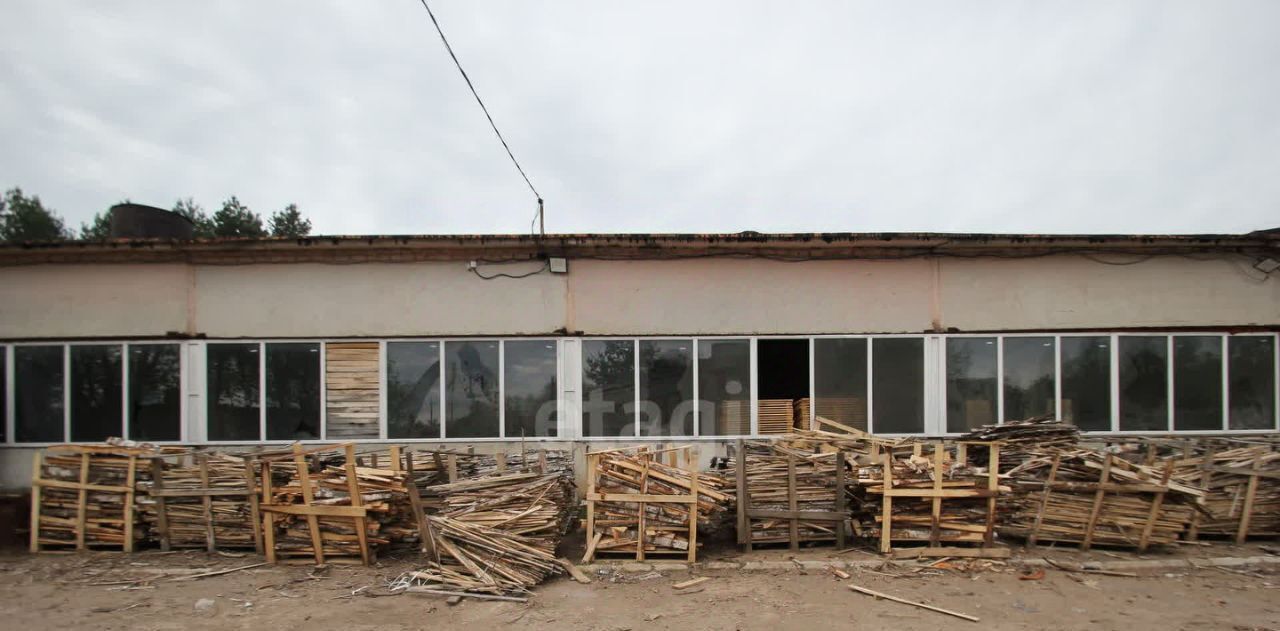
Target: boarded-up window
{"x":351,"y":389}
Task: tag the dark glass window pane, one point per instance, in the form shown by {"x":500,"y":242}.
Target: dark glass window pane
{"x":666,"y":387}
{"x":97,"y":391}
{"x":471,"y":397}
{"x":232,"y":371}
{"x":4,"y":392}
{"x":37,"y":394}
{"x":1144,"y":385}
{"x":155,"y":394}
{"x":724,"y":387}
{"x":897,"y":366}
{"x":413,"y":390}
{"x":1028,"y":377}
{"x":608,"y":387}
{"x":971,"y":383}
{"x":1086,"y":382}
{"x":1253,"y":382}
{"x":840,"y":381}
{"x":293,"y":391}
{"x":1197,"y":382}
{"x":529,"y":384}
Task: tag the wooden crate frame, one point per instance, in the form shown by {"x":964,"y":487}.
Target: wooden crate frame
{"x":83,"y":487}
{"x":746,"y":514}
{"x":356,"y":512}
{"x":206,"y":494}
{"x":938,"y":494}
{"x":1254,"y":472}
{"x":690,"y":455}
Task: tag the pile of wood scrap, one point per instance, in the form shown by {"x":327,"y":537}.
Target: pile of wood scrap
{"x":1241,"y":480}
{"x":789,"y":495}
{"x":83,"y":496}
{"x":638,"y":505}
{"x":1023,"y":440}
{"x":533,"y":505}
{"x":940,"y":498}
{"x":472,"y":557}
{"x":211,"y":503}
{"x":1092,"y":498}
{"x":539,"y":460}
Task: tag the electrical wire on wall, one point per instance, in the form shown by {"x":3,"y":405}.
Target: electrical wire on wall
{"x":546,"y":265}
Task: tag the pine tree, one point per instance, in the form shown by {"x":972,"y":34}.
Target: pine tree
{"x":192,"y":211}
{"x":24,"y":218}
{"x":235,"y":219}
{"x":289,"y":223}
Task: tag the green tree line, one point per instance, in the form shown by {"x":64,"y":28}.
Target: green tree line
{"x":25,"y":218}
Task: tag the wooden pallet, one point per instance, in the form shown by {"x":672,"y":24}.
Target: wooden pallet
{"x":314,"y":512}
{"x":832,"y":521}
{"x":89,"y":531}
{"x":774,"y":416}
{"x":940,"y":493}
{"x":649,"y":539}
{"x":172,"y":483}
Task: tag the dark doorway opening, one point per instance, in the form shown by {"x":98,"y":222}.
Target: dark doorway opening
{"x":782,"y":369}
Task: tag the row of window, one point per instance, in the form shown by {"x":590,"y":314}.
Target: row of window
{"x":635,"y":387}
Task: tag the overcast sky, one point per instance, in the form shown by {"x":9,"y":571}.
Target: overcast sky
{"x":1021,"y":116}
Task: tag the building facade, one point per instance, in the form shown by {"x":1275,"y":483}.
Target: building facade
{"x":581,"y":340}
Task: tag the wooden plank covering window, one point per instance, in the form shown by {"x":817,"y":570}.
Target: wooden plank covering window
{"x":351,"y":389}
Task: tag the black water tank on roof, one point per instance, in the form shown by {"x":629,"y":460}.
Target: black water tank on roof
{"x":136,"y":221}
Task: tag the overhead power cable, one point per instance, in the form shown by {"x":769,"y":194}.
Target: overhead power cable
{"x":482,"y":106}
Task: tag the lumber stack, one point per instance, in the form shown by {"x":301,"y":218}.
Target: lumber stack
{"x":775,"y":416}
{"x":800,"y":413}
{"x":847,"y":411}
{"x":1241,"y":480}
{"x":1091,"y":498}
{"x":789,"y":495}
{"x":938,"y":498}
{"x":638,"y":505}
{"x":211,"y":503}
{"x":83,"y":496}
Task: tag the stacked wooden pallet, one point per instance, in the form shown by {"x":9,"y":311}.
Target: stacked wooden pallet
{"x":352,"y":402}
{"x":638,"y":505}
{"x":775,"y":416}
{"x":211,"y":503}
{"x":848,"y":411}
{"x":940,"y":497}
{"x":787,"y":495}
{"x":82,"y":496}
{"x":800,"y":411}
{"x":1092,"y":498}
{"x":733,"y":418}
{"x":1241,"y":480}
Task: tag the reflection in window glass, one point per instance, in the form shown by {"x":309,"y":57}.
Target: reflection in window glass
{"x":97,"y":391}
{"x":666,"y":387}
{"x":608,"y":387}
{"x":1028,"y":377}
{"x":724,"y":387}
{"x":37,"y":394}
{"x":1144,"y":387}
{"x":155,"y":404}
{"x":1197,"y":382}
{"x":1086,"y":382}
{"x":529,"y":385}
{"x":234,"y":408}
{"x":897,"y":366}
{"x":840,"y":381}
{"x":293,"y":391}
{"x":1253,"y":381}
{"x":413,"y":390}
{"x":4,"y":392}
{"x":971,"y":383}
{"x":471,"y":395}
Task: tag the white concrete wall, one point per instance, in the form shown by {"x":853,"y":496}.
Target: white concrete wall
{"x":60,"y":301}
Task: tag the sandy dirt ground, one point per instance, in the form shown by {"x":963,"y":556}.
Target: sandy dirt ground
{"x":145,"y":591}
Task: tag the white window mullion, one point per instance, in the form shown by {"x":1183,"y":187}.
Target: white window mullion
{"x":1169,"y":381}
{"x":444,"y":401}
{"x":1000,"y":380}
{"x":382,"y":389}
{"x":1057,"y":378}
{"x":262,"y":391}
{"x":66,"y":393}
{"x":755,"y":392}
{"x":697,"y":401}
{"x":1115,"y":383}
{"x":502,"y":392}
{"x":124,"y":391}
